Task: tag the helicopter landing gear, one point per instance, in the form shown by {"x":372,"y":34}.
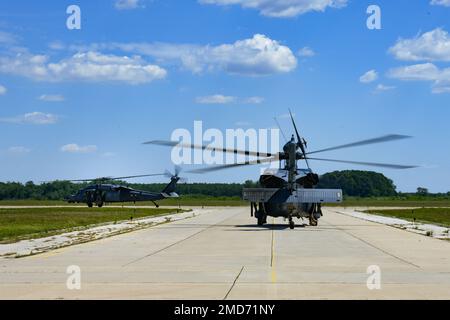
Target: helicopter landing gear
{"x":260,"y":213}
{"x":262,"y":218}
{"x":90,"y":204}
{"x":291,"y":223}
{"x":313,"y":221}
{"x":315,"y":214}
{"x":99,"y":201}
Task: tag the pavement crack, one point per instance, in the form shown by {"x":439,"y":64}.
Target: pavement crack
{"x":178,"y":242}
{"x":234,"y":282}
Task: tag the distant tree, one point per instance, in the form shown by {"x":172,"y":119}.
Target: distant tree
{"x":422,"y":191}
{"x":359,"y":183}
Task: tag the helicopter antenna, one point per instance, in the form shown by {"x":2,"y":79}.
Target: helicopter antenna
{"x":281,"y":130}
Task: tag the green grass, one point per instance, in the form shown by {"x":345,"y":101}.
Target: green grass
{"x":33,"y":203}
{"x":26,"y":223}
{"x":439,"y":216}
{"x":392,"y":202}
{"x":182,"y":201}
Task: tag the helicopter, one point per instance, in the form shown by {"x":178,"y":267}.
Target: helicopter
{"x":102,"y":192}
{"x":289,"y":191}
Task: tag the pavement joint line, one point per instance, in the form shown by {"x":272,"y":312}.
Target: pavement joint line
{"x":273,"y":273}
{"x":374,"y":246}
{"x":234,"y":282}
{"x":179,"y":241}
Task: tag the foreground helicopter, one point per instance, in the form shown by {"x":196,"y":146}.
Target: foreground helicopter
{"x":102,"y":192}
{"x":289,"y":191}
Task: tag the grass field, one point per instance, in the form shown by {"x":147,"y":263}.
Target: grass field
{"x":236,"y":201}
{"x":389,"y":202}
{"x":26,"y":223}
{"x":182,"y":201}
{"x":439,"y":216}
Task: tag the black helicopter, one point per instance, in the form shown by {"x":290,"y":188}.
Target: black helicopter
{"x":289,"y":191}
{"x":102,"y":192}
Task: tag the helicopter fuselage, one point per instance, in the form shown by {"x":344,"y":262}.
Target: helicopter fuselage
{"x":108,"y":193}
{"x":278,"y":198}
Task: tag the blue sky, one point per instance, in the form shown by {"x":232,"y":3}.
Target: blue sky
{"x":79,"y":103}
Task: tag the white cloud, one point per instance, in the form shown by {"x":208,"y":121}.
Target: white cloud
{"x":445,"y":3}
{"x":215,"y":99}
{"x":306,"y":52}
{"x":253,"y":100}
{"x":255,"y":56}
{"x":382,"y":87}
{"x":126,"y":4}
{"x":37,"y":118}
{"x":430,"y":46}
{"x":369,"y":76}
{"x":423,"y":72}
{"x":222,"y":99}
{"x":282,"y":8}
{"x":75,"y":148}
{"x":88,"y":66}
{"x":18,"y":150}
{"x":440,"y":78}
{"x":3,"y":90}
{"x":52,"y":97}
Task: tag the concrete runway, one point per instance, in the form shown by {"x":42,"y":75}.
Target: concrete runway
{"x":223,"y":255}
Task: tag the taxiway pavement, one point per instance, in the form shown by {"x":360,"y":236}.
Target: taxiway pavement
{"x":222,"y":254}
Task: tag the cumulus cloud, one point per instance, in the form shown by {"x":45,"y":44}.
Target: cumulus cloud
{"x":445,"y":3}
{"x":86,"y":66}
{"x":440,"y":78}
{"x":37,"y":118}
{"x":51,"y":97}
{"x":306,"y":52}
{"x":369,"y":76}
{"x":126,"y":4}
{"x":75,"y":148}
{"x":222,"y":99}
{"x":215,"y":99}
{"x":282,"y":8}
{"x":430,"y":46}
{"x":255,"y":56}
{"x":3,"y":90}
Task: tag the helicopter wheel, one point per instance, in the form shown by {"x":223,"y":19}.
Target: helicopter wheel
{"x":260,"y":221}
{"x":291,"y":224}
{"x":313,"y":221}
{"x":90,"y":204}
{"x":100,"y":204}
{"x":261,"y":218}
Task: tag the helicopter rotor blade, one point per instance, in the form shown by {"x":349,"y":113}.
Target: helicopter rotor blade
{"x":212,"y":148}
{"x":299,"y":139}
{"x":139,"y":176}
{"x":117,"y":178}
{"x":234,"y":165}
{"x":386,"y":138}
{"x":88,"y":180}
{"x":281,"y":130}
{"x":372,"y":164}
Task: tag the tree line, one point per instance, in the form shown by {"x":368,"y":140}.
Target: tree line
{"x":353,"y":183}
